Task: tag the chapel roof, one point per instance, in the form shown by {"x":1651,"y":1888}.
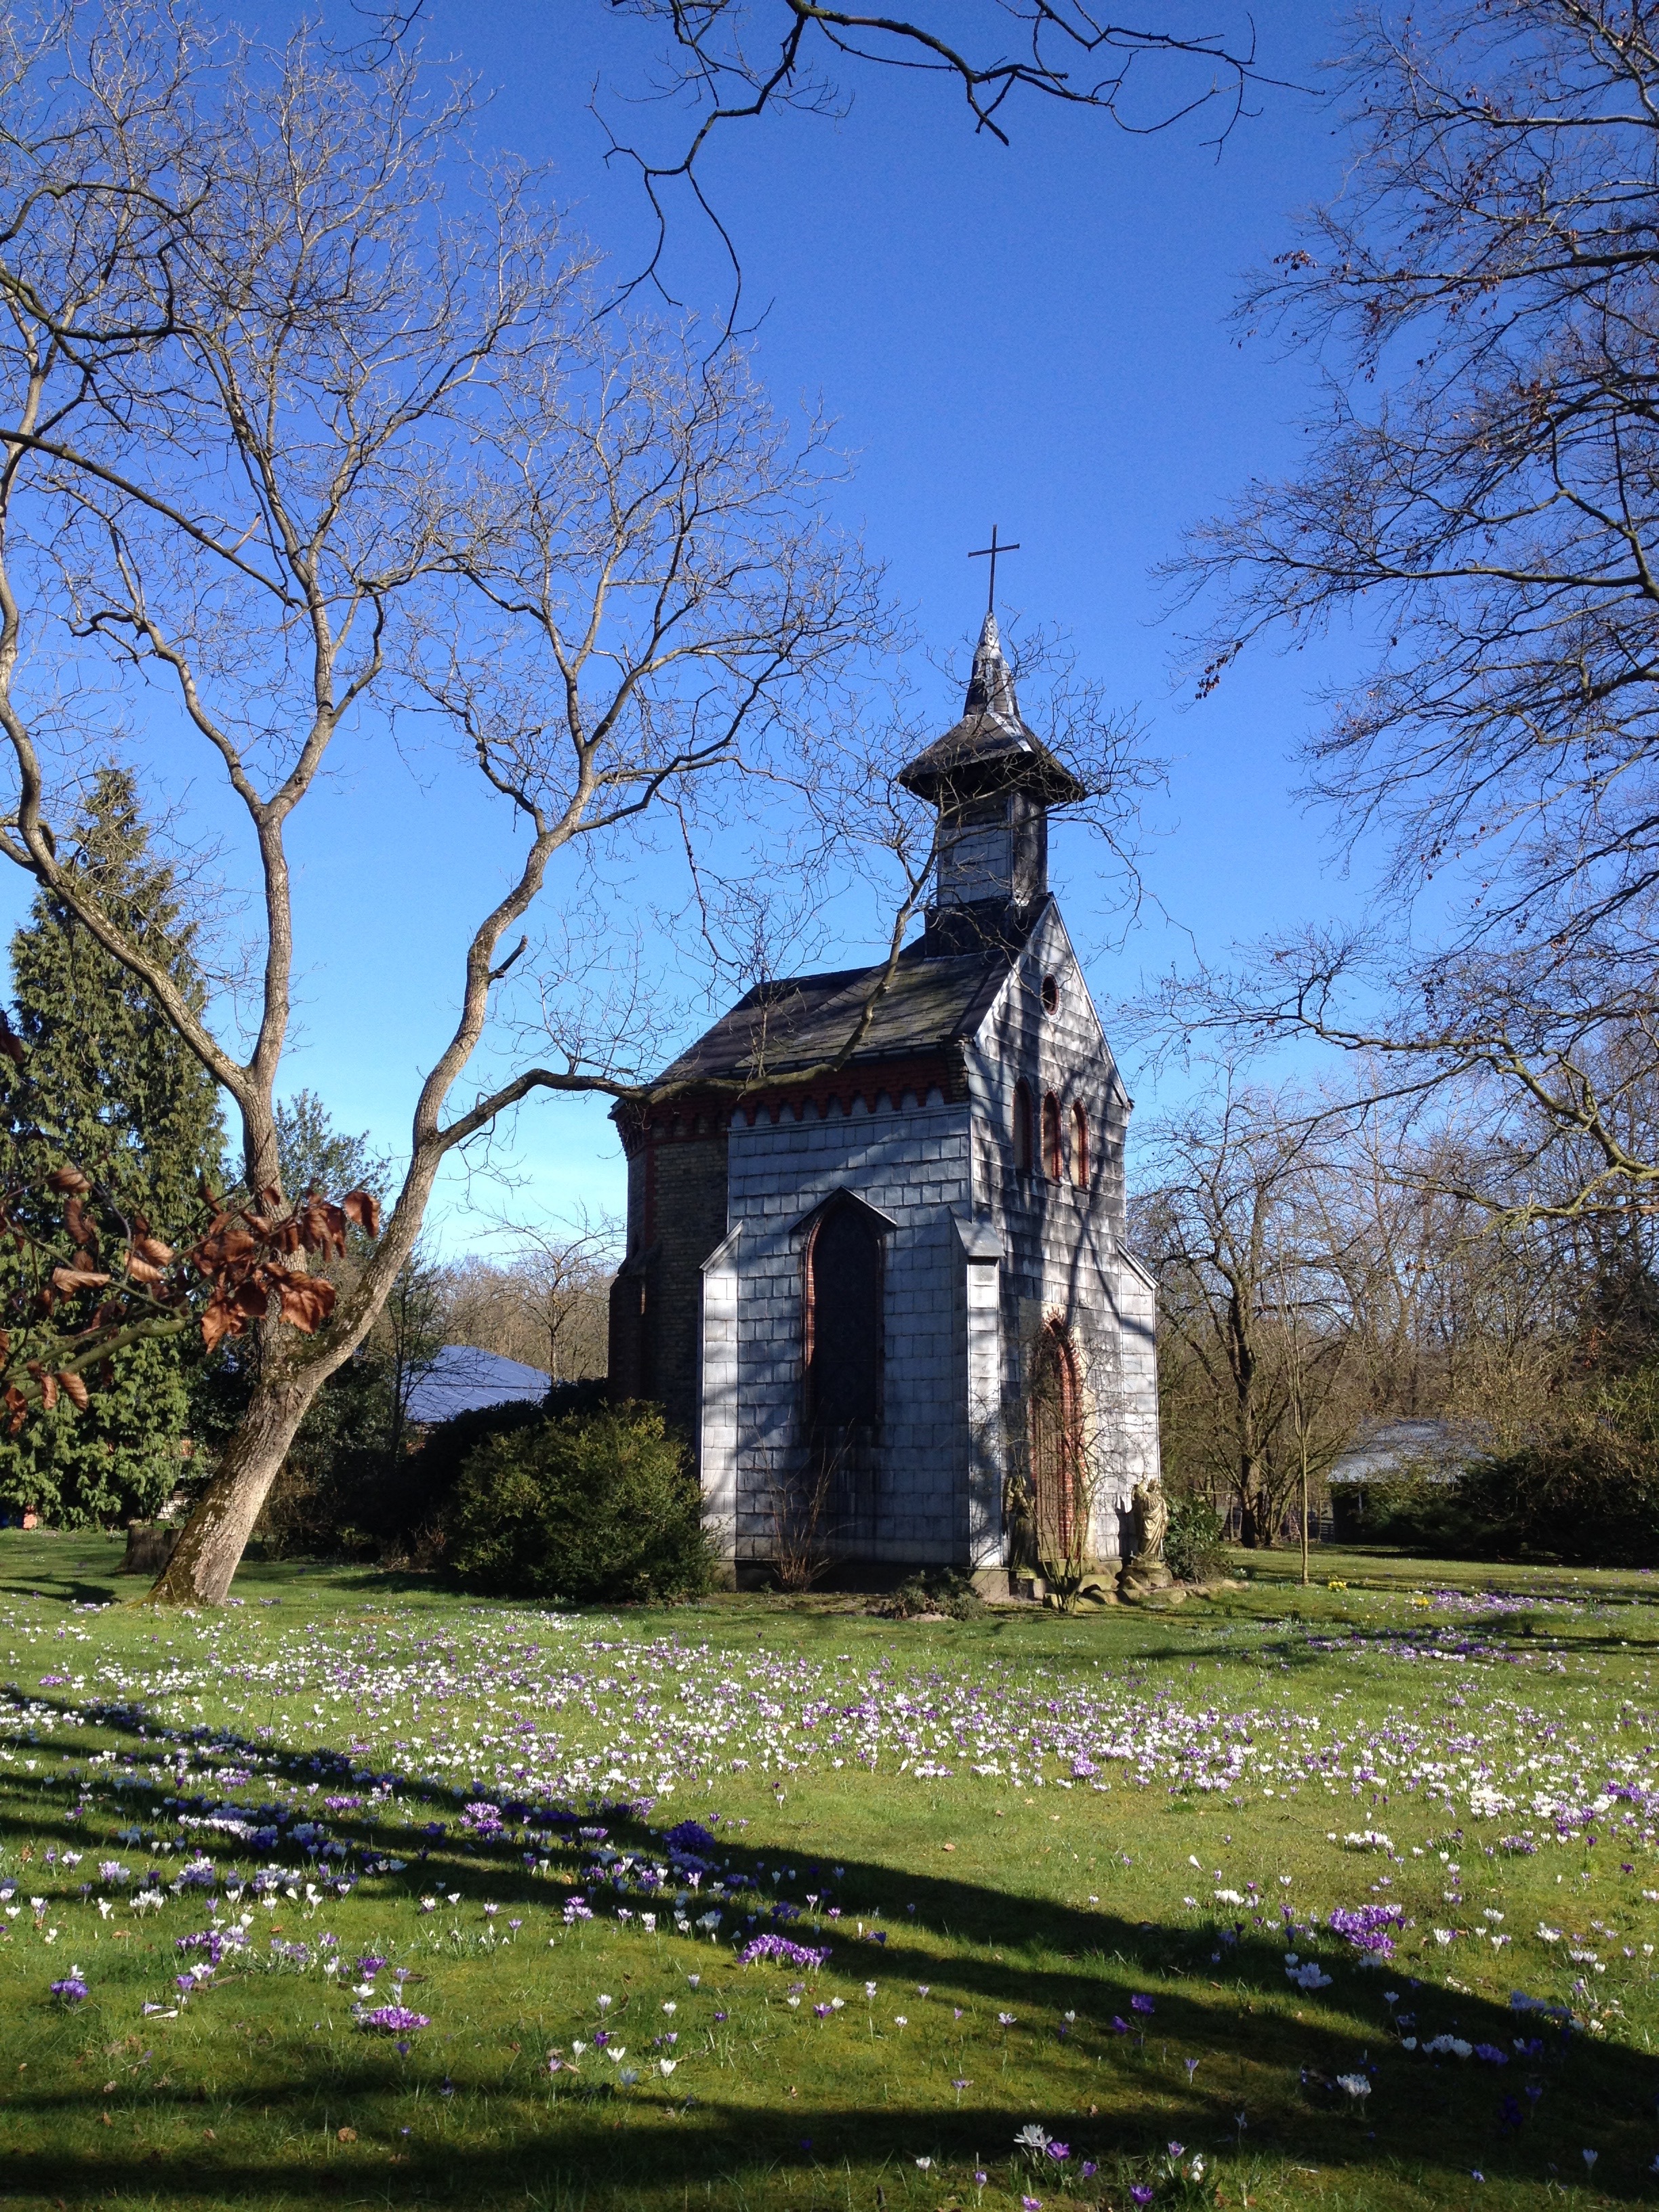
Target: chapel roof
{"x":936,"y":999}
{"x":991,"y":748}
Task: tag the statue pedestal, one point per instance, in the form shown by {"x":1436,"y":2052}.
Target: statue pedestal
{"x":1144,"y":1578}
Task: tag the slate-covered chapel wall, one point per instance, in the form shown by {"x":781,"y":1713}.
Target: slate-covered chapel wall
{"x":1062,"y":1245}
{"x":911,"y":1162}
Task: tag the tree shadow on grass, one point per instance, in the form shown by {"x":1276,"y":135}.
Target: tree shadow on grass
{"x":626,"y":2148}
{"x":1218,"y":1994}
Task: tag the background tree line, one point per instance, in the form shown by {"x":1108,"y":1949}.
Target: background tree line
{"x":1323,"y":1271}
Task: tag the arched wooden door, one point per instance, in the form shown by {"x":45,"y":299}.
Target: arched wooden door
{"x":1056,"y":1446}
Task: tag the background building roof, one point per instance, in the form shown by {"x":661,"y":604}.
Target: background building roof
{"x":462,"y":1378}
{"x":1388,"y":1447}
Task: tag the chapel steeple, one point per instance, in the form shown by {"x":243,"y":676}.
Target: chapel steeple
{"x":993,"y":780}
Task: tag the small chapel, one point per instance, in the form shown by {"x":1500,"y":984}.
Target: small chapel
{"x":888,"y":1301}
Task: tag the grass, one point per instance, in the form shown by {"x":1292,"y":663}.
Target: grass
{"x":1045,"y":1940}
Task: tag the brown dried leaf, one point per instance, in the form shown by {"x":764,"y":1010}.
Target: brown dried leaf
{"x":321,"y":1226}
{"x":48,"y":1392}
{"x":222,"y":1246}
{"x":154,"y":1249}
{"x":218,"y":1321}
{"x":83,"y":1233}
{"x":18,"y":1407}
{"x":364,"y":1208}
{"x":307,"y":1300}
{"x":67,"y":1179}
{"x":253,"y":1297}
{"x":74,"y":1388}
{"x":141,"y":1271}
{"x":77,"y":1279}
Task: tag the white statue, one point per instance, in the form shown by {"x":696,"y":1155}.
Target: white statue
{"x":1152,"y":1510}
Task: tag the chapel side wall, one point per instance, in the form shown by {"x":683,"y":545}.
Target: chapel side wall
{"x":1062,"y":1245}
{"x":912,"y":1162}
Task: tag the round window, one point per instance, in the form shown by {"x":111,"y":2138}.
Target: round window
{"x":1050,"y":994}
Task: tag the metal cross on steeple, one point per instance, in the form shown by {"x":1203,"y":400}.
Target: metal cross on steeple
{"x":991,"y":552}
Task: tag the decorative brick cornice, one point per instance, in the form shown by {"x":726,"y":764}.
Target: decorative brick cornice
{"x":705,"y":1116}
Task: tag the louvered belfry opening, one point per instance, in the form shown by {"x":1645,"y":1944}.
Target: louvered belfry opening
{"x":843,"y":1333}
{"x":1057,"y":1443}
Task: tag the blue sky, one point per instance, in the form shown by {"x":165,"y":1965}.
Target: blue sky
{"x":1035,"y":336}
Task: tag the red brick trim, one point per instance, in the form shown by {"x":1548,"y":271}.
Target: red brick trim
{"x":697,"y":1116}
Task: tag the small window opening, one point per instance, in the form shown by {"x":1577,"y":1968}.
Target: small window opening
{"x":1054,"y":1154}
{"x":1050,"y":994}
{"x":1023,"y":1148}
{"x":1080,"y":1145}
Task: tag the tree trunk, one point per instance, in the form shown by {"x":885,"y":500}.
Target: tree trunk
{"x":205,"y":1559}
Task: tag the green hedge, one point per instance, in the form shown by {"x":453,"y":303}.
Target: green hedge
{"x":1585,"y":1503}
{"x":593,"y":1507}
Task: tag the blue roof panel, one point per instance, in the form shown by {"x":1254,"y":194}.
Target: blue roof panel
{"x":462,"y":1378}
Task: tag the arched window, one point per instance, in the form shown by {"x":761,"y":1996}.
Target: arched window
{"x":1022,"y":1145}
{"x":1080,"y":1145}
{"x":1053,"y":1155}
{"x":1056,"y":1450}
{"x":843,"y":1322}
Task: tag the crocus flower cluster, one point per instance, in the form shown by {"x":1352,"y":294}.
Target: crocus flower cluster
{"x":781,"y":1949}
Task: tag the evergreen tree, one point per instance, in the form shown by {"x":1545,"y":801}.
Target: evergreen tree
{"x":107,"y":1084}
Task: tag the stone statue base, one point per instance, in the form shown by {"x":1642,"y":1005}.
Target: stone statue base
{"x":1145,"y":1579}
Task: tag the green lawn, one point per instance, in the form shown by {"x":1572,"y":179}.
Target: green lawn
{"x":1050,"y":1861}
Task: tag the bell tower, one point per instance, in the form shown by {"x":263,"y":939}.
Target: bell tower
{"x":992,"y":781}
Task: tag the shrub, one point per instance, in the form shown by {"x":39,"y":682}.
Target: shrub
{"x":591,"y":1507}
{"x":1191,"y":1542}
{"x":429,"y":1479}
{"x":936,"y":1589}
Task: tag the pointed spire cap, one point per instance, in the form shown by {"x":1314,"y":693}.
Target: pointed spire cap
{"x":991,"y":686}
{"x":990,"y":749}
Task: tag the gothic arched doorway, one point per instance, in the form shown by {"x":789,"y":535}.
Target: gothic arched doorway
{"x":843,"y":1344}
{"x":1057,"y":1448}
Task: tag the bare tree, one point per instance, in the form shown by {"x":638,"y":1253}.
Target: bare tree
{"x":1217,"y":1225}
{"x":1482,"y":490}
{"x":268,"y":419}
{"x":1315,"y":1329}
{"x":545,"y":1302}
